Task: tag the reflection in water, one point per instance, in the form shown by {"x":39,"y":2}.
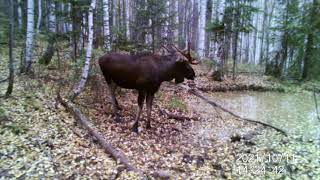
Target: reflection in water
{"x":294,"y":113}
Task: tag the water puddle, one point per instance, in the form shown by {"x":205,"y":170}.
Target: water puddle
{"x":294,"y":113}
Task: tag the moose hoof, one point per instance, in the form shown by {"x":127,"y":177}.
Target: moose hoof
{"x":148,"y":126}
{"x":119,"y":108}
{"x":135,"y":128}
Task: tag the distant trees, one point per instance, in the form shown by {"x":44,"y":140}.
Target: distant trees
{"x":296,"y":46}
{"x":280,"y":35}
{"x":311,"y":61}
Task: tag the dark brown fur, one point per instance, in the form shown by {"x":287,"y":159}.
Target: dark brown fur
{"x":145,"y":73}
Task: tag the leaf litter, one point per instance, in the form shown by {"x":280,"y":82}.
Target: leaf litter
{"x":39,"y":140}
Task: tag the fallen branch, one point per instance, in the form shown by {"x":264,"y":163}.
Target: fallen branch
{"x":316,"y":102}
{"x":118,"y":156}
{"x":115,"y":154}
{"x":230,"y":112}
{"x":4,"y":80}
{"x":173,"y":116}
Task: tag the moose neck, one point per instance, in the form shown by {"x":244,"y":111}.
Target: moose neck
{"x":168,"y":70}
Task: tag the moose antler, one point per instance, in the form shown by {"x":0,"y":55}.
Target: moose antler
{"x":180,"y":51}
{"x":186,"y":54}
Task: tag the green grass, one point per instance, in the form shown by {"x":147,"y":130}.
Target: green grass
{"x":176,"y":103}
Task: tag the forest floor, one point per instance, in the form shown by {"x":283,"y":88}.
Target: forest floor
{"x":39,"y":139}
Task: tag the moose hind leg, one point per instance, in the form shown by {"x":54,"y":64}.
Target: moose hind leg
{"x":141,"y":98}
{"x":149,"y":101}
{"x":112,"y":89}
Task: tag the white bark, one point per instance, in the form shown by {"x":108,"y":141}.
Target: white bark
{"x":19,"y":15}
{"x":127,"y":8}
{"x":106,"y":26}
{"x":202,"y":24}
{"x":86,"y":68}
{"x":149,"y":35}
{"x":30,"y":33}
{"x":39,"y":15}
{"x":176,"y":20}
{"x":52,"y":18}
{"x":69,"y":24}
{"x":166,"y":24}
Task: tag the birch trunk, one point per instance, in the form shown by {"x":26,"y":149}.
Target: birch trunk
{"x":52,"y":18}
{"x":11,"y":68}
{"x":176,"y":20}
{"x":127,"y":19}
{"x":39,"y":15}
{"x":106,"y":26}
{"x":68,"y":24}
{"x":166,"y":24}
{"x":30,"y":33}
{"x":19,"y":15}
{"x":202,"y":24}
{"x":86,"y":68}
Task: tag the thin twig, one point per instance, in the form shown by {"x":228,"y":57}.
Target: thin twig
{"x":316,"y":102}
{"x":4,"y":80}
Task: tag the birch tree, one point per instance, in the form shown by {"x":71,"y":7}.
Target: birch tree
{"x":52,"y":17}
{"x":19,"y":15}
{"x":127,"y":19}
{"x":86,"y":67}
{"x":106,"y":26}
{"x":202,"y":24}
{"x":30,"y":33}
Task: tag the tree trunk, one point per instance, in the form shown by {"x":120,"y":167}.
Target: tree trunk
{"x":30,"y":33}
{"x":106,"y":26}
{"x":39,"y":15}
{"x":86,"y":68}
{"x":265,"y":14}
{"x":202,"y":32}
{"x":47,"y":56}
{"x":268,"y":39}
{"x":127,"y":19}
{"x":235,"y":41}
{"x":255,"y":38}
{"x":11,"y":68}
{"x":19,"y":15}
{"x":310,"y":46}
{"x":208,"y":34}
{"x":52,"y":17}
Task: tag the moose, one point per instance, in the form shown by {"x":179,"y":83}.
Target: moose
{"x":145,"y":73}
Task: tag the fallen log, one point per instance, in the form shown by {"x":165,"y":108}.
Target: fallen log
{"x":193,"y":91}
{"x":115,"y":154}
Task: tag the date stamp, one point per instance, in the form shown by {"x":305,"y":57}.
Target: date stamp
{"x":259,"y":164}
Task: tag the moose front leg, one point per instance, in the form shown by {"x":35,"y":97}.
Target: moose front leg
{"x":141,"y":98}
{"x":112,"y":88}
{"x":149,"y":108}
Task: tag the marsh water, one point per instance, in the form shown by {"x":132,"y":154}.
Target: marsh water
{"x":295,"y":113}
